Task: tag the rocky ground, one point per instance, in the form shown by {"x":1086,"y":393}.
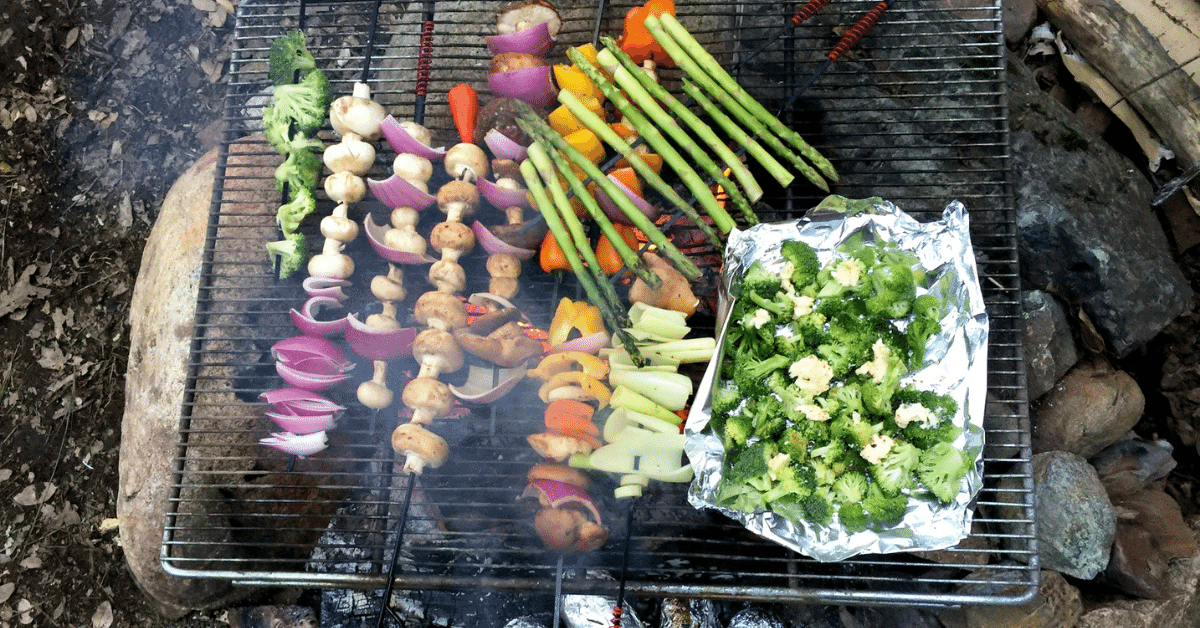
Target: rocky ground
{"x":101,"y":107}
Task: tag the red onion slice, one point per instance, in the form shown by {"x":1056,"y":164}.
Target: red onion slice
{"x":325,"y":287}
{"x":493,"y":245}
{"x":502,"y":198}
{"x":373,"y":344}
{"x":300,"y":402}
{"x":302,"y":424}
{"x":308,"y":381}
{"x":486,"y":300}
{"x":402,"y":142}
{"x":301,"y":445}
{"x":588,"y":344}
{"x":503,"y":147}
{"x":487,"y":384}
{"x":613,"y":212}
{"x":306,"y":321}
{"x":312,"y":350}
{"x":535,"y":41}
{"x":396,"y":256}
{"x":395,"y":192}
{"x":532,"y":85}
{"x":554,"y":493}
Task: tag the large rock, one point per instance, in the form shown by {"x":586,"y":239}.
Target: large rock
{"x":1057,"y":604}
{"x":1075,"y":521}
{"x":1092,"y":407}
{"x":1179,"y":609}
{"x":1049,"y":346}
{"x":1086,"y":226}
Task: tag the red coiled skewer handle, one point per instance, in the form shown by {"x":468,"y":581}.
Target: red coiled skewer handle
{"x":616,"y":620}
{"x":808,"y":10}
{"x":424,"y":58}
{"x":858,"y":30}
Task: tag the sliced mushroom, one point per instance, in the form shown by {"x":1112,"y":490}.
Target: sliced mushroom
{"x":436,"y":352}
{"x":427,"y":398}
{"x":421,"y":447}
{"x":506,"y":347}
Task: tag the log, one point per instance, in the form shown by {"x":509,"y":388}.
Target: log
{"x":1120,"y":47}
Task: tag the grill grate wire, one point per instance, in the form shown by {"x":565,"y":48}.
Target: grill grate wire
{"x":915,"y":114}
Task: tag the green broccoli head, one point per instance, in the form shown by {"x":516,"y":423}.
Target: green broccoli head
{"x":305,"y":102}
{"x":894,"y":473}
{"x":917,"y":335}
{"x":817,"y":508}
{"x":299,"y":171}
{"x":292,"y":213}
{"x":737,"y":430}
{"x":850,"y":487}
{"x":883,"y":510}
{"x":290,"y":253}
{"x":794,"y":443}
{"x":758,"y":280}
{"x":941,"y":469}
{"x":769,"y":419}
{"x":285,"y":139}
{"x":892,"y":288}
{"x":855,"y":430}
{"x":853,"y":517}
{"x":805,"y":264}
{"x":740,"y":497}
{"x":287,"y":56}
{"x":726,"y":398}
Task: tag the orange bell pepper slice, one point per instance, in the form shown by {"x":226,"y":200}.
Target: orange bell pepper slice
{"x":636,"y":41}
{"x":628,"y":177}
{"x":568,"y":416}
{"x":653,"y":160}
{"x":551,"y":256}
{"x":556,"y":363}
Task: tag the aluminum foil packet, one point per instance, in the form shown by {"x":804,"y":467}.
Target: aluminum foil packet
{"x":955,"y":364}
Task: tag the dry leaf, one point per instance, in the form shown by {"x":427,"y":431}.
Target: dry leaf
{"x":33,"y":562}
{"x":31,"y":113}
{"x":27,"y":496}
{"x":6,"y":591}
{"x":5,"y":474}
{"x":103,"y":617}
{"x":72,"y":37}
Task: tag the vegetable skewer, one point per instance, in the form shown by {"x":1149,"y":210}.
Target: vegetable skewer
{"x":654,"y":137}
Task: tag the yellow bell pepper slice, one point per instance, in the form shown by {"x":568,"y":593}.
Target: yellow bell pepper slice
{"x":581,"y":387}
{"x":572,"y":79}
{"x":571,"y":315}
{"x":565,"y":122}
{"x":587,"y":143}
{"x":569,"y":361}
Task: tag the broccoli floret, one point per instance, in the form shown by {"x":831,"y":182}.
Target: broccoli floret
{"x":917,"y":335}
{"x":792,"y":345}
{"x":290,"y":253}
{"x":892,"y":286}
{"x":941,"y":469}
{"x":740,"y":497}
{"x":877,"y":396}
{"x":850,"y":488}
{"x":287,"y":56}
{"x":830,"y":451}
{"x":758,"y":280}
{"x":737,"y":430}
{"x":855,"y":430}
{"x":942,"y":407}
{"x":286,"y":140}
{"x":769,"y":420}
{"x":300,"y":170}
{"x":927,"y":306}
{"x":853,"y":517}
{"x":841,"y":278}
{"x":750,"y":466}
{"x":794,"y":443}
{"x":292,"y":213}
{"x":817,"y":508}
{"x":305,"y":102}
{"x":844,"y":400}
{"x":779,"y":305}
{"x":895,"y":472}
{"x":884,"y":510}
{"x":805,"y":264}
{"x":750,"y":374}
{"x":726,"y":398}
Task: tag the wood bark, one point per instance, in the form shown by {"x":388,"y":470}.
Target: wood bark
{"x":1124,"y":51}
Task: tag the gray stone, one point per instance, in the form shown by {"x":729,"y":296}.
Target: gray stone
{"x":1092,"y":407}
{"x":1085,"y":222}
{"x":1049,"y":346}
{"x":1076,"y":523}
{"x":1019,"y":16}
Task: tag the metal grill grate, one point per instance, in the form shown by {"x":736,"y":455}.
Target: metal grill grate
{"x":915,"y":114}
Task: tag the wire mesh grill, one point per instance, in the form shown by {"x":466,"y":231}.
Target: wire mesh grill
{"x":915,"y":114}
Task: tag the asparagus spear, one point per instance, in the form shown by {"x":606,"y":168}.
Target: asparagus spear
{"x":628,"y":255}
{"x":611,"y":54}
{"x":709,"y":74}
{"x":613,"y":315}
{"x":652,"y":133}
{"x":541,"y":132}
{"x":610,"y":137}
{"x":755,"y":127}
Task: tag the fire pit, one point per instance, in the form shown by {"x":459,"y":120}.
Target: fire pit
{"x":915,"y":114}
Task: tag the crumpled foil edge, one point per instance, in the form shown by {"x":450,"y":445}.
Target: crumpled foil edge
{"x":956,"y":364}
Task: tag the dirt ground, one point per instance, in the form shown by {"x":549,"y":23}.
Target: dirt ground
{"x":101,"y":106}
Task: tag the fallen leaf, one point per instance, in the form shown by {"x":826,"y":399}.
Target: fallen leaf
{"x":22,"y":293}
{"x":110,"y":524}
{"x":5,"y":474}
{"x":72,"y":37}
{"x":6,"y":591}
{"x":27,"y":496}
{"x":103,"y":617}
{"x":33,"y":562}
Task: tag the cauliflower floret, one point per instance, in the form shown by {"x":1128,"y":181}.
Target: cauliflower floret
{"x":812,"y":374}
{"x":759,"y":318}
{"x":801,"y":305}
{"x":785,"y":277}
{"x":813,"y":412}
{"x":877,"y":449}
{"x":909,"y":412}
{"x":777,"y":464}
{"x":877,"y":367}
{"x":848,"y":272}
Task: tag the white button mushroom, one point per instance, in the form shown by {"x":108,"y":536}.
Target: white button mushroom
{"x":420,"y":446}
{"x":357,"y":114}
{"x":350,"y":155}
{"x":412,"y":168}
{"x":345,"y":187}
{"x":466,"y":161}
